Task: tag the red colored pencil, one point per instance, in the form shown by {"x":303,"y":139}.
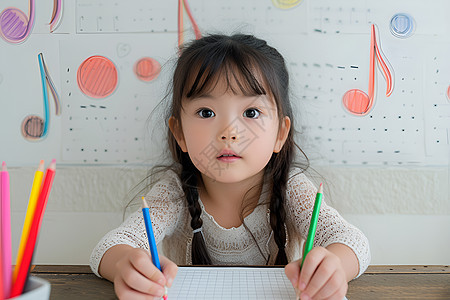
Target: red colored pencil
{"x":24,"y":268}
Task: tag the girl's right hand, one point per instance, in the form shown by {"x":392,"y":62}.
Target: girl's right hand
{"x":138,"y":278}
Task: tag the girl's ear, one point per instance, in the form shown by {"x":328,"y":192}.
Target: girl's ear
{"x":282,"y":134}
{"x":175,"y":128}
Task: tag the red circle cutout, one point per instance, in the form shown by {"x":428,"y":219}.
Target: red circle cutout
{"x":97,"y":77}
{"x":147,"y":69}
{"x":356,"y":102}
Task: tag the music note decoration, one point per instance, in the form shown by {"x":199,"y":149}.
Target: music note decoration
{"x":183,"y":4}
{"x":56,"y":15}
{"x":358,"y":102}
{"x":97,"y":77}
{"x":15,"y":25}
{"x":35,"y":127}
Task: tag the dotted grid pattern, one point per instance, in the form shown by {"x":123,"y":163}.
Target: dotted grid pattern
{"x":231,"y":283}
{"x":105,"y":16}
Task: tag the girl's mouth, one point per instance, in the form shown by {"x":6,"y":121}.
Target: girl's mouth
{"x":228,"y":158}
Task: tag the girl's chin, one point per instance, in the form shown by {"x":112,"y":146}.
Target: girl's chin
{"x":228,"y":175}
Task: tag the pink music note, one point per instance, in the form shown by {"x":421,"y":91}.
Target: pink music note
{"x":358,"y":102}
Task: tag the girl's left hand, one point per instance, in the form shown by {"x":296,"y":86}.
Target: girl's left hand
{"x":321,"y":277}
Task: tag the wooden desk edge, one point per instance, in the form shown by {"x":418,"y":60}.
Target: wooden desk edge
{"x":373,"y":269}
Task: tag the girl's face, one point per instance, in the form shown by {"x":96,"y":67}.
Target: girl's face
{"x":229,"y":137}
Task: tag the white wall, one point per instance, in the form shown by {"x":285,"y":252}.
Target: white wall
{"x":405,"y":226}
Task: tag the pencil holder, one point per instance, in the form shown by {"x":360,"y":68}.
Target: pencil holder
{"x":36,"y":289}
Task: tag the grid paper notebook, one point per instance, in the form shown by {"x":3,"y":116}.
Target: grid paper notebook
{"x":231,"y":283}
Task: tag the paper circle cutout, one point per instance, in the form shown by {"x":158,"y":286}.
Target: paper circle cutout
{"x":286,"y":4}
{"x":32,"y":127}
{"x":356,"y":102}
{"x":13,"y":25}
{"x":97,"y":77}
{"x":402,"y":25}
{"x":147,"y":69}
{"x":448,"y":93}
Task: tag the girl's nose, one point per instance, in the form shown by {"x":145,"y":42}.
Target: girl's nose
{"x":229,"y":135}
{"x":232,"y":137}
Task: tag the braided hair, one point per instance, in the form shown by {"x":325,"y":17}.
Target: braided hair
{"x":257,"y":69}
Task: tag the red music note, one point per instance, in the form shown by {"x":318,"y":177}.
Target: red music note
{"x":356,"y":101}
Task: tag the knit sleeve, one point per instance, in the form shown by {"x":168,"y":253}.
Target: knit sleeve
{"x":331,"y":226}
{"x":165,"y":202}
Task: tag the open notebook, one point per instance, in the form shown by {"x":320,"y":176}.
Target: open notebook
{"x":231,"y":283}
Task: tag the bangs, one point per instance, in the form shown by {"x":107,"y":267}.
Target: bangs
{"x":224,"y":62}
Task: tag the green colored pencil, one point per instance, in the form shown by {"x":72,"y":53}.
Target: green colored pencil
{"x":312,"y":227}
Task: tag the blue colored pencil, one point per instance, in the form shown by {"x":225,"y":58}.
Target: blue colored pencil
{"x":150,"y":234}
{"x":151,"y":239}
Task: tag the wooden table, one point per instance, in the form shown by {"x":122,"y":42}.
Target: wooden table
{"x":378,"y":282}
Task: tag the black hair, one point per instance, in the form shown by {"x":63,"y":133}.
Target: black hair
{"x":250,"y":67}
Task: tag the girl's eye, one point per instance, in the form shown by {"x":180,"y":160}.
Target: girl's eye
{"x":205,"y":113}
{"x":252,"y":113}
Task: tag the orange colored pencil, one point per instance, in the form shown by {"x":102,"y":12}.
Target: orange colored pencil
{"x":24,"y":268}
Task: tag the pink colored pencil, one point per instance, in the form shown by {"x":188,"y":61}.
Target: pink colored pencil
{"x":1,"y":255}
{"x":1,"y":273}
{"x":6,"y":232}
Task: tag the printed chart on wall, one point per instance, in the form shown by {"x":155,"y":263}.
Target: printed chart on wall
{"x":370,"y":79}
{"x":108,"y":97}
{"x":372,"y":83}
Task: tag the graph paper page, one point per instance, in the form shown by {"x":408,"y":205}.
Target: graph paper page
{"x":231,"y":283}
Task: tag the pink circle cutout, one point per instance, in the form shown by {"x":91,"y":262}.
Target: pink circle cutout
{"x":147,"y":69}
{"x":97,"y":77}
{"x":356,"y":102}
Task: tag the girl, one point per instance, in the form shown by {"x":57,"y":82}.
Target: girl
{"x":233,"y":194}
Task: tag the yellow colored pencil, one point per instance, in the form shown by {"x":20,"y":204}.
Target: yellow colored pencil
{"x":34,"y":195}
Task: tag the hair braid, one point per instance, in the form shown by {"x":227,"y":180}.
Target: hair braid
{"x":277,"y":211}
{"x":200,"y":255}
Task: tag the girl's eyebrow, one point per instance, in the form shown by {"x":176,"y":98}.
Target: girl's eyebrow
{"x":256,"y":98}
{"x":262,"y":98}
{"x":202,"y":96}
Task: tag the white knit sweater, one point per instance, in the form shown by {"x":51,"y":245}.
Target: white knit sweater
{"x":233,"y":246}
